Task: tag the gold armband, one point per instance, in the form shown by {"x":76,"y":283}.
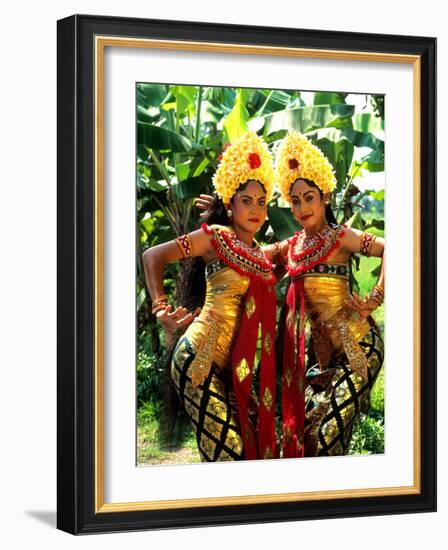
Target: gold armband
{"x":184,"y":244}
{"x":367,"y":240}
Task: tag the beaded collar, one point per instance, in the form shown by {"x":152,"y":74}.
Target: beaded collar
{"x":306,"y":252}
{"x":246,"y":260}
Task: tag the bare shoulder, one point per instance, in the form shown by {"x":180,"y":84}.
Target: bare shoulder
{"x":200,"y":242}
{"x":351,"y":238}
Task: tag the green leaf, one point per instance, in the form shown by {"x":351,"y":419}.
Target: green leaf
{"x":340,"y":154}
{"x":374,"y":162}
{"x":161,"y":139}
{"x":355,"y":222}
{"x":210,"y":112}
{"x":375,"y":231}
{"x":367,"y":122}
{"x":157,"y":186}
{"x":328,"y":98}
{"x":148,"y":223}
{"x":182,"y":170}
{"x":169,"y":106}
{"x":184,"y":98}
{"x":235,"y":123}
{"x":282,"y":222}
{"x":147,"y":115}
{"x":270,"y":101}
{"x":198,"y":166}
{"x":150,"y":94}
{"x":189,"y":189}
{"x":377,"y":195}
{"x":358,"y":139}
{"x":379,"y":224}
{"x":306,"y":119}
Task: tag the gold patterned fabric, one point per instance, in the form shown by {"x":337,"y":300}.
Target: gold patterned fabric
{"x":221,"y":313}
{"x":210,"y":406}
{"x":334,"y":327}
{"x":200,"y":368}
{"x":336,"y":396}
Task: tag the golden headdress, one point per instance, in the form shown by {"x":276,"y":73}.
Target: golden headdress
{"x":246,"y":159}
{"x":298,"y":158}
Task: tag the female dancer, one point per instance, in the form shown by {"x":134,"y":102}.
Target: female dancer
{"x":344,"y":337}
{"x":212,"y":366}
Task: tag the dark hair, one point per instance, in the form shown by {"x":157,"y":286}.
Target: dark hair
{"x":329,"y":216}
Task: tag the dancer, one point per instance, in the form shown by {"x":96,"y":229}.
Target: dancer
{"x":344,"y":337}
{"x":213,"y":362}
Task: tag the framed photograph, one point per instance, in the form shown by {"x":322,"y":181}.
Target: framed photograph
{"x":159,"y":321}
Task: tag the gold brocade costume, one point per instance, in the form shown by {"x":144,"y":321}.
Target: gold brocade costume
{"x":349,"y":350}
{"x":220,"y":315}
{"x":334,"y":327}
{"x":200,"y":367}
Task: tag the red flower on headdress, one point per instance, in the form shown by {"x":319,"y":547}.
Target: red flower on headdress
{"x":254,"y":161}
{"x":226,"y":146}
{"x":293,"y":164}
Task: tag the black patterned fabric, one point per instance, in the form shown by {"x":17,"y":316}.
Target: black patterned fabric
{"x":336,"y":397}
{"x":211,"y":407}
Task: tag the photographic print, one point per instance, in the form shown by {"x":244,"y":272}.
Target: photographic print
{"x":260,"y":316}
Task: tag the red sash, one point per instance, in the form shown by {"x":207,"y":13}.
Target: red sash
{"x":300,"y":260}
{"x":259,"y":312}
{"x":258,"y":441}
{"x":293,"y":376}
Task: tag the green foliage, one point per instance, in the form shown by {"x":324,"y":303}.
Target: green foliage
{"x":181,"y":131}
{"x":151,"y":367}
{"x":368,"y":437}
{"x":368,"y":432}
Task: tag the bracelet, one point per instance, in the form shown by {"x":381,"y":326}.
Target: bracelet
{"x":377,"y":294}
{"x":159,"y":301}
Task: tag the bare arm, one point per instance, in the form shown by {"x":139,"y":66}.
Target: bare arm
{"x":277,"y":252}
{"x":154,"y":262}
{"x":355,"y":241}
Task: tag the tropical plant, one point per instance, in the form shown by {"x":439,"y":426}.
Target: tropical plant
{"x":181,"y":131}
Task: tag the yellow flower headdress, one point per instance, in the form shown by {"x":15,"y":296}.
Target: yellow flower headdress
{"x":298,"y":158}
{"x":246,"y":159}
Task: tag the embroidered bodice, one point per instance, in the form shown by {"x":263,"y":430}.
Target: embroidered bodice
{"x":224,"y":300}
{"x":228,"y":278}
{"x":334,"y":326}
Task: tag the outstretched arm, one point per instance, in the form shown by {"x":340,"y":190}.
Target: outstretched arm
{"x":196,"y":243}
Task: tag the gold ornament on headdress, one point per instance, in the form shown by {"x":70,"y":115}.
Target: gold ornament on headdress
{"x":246,"y":159}
{"x":297,"y":158}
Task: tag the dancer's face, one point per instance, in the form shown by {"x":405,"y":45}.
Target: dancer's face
{"x":249,"y":208}
{"x":308,"y":205}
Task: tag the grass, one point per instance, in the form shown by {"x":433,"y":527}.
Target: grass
{"x":153,"y":448}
